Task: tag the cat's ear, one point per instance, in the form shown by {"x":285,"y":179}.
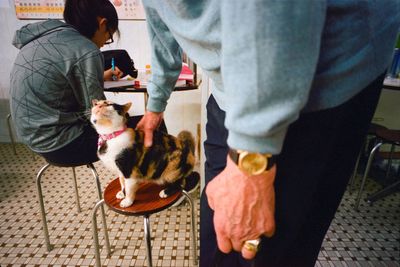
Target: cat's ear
{"x":94,"y":102}
{"x":127,"y":106}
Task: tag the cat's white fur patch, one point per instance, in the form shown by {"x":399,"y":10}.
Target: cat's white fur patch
{"x":162,"y":194}
{"x":126,"y":203}
{"x":120,"y":195}
{"x":114,"y":147}
{"x":130,"y":194}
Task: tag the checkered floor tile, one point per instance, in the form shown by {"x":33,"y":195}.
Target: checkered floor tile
{"x":369,"y":237}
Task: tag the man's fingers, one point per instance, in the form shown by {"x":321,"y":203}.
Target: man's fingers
{"x":148,"y":138}
{"x":269,"y":227}
{"x":237,"y":245}
{"x":248,"y":254}
{"x":224,"y":244}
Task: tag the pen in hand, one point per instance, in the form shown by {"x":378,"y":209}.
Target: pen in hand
{"x":114,"y":77}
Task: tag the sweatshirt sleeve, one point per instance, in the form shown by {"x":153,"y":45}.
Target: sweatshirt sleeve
{"x":269,"y":57}
{"x":88,"y":78}
{"x":166,"y":62}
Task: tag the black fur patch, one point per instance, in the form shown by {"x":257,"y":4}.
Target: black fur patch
{"x":126,"y":160}
{"x":119,"y":109}
{"x":103,"y":148}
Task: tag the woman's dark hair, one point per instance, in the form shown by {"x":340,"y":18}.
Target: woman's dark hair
{"x":82,"y":15}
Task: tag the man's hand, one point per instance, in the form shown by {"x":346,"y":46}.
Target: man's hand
{"x":148,"y":124}
{"x":108,"y":74}
{"x":244,"y":207}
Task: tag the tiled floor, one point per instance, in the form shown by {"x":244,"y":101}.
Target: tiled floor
{"x":21,"y":238}
{"x":367,"y":238}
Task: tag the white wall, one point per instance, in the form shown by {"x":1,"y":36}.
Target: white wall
{"x":183,"y":111}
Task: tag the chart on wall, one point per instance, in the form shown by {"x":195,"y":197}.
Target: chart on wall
{"x":53,"y":9}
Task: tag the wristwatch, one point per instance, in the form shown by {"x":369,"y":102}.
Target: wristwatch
{"x":252,"y":163}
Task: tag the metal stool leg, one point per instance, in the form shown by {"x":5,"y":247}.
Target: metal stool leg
{"x":78,"y":204}
{"x":95,"y":234}
{"x":11,"y":134}
{"x":148,"y":241}
{"x":103,"y":214}
{"x":41,"y":204}
{"x":193,"y":226}
{"x":370,"y":159}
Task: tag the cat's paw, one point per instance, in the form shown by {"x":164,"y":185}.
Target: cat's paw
{"x":126,"y":203}
{"x":162,"y":194}
{"x":120,"y":195}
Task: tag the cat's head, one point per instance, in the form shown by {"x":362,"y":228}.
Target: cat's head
{"x":107,"y":116}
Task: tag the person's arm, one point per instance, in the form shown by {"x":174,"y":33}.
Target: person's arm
{"x":86,"y":79}
{"x":166,"y":62}
{"x":269,"y":57}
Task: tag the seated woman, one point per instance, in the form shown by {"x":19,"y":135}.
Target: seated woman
{"x":57,"y":73}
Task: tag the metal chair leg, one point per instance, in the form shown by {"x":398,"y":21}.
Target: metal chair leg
{"x":95,"y":234}
{"x":103,"y":214}
{"x":42,"y":210}
{"x":11,"y":134}
{"x":370,"y":159}
{"x":78,"y":204}
{"x":193,"y":226}
{"x":383,"y":192}
{"x":389,"y":165}
{"x":148,"y":241}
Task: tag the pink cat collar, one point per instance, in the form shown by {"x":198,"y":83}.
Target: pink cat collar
{"x":104,"y":137}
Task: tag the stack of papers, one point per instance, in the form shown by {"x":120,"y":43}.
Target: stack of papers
{"x":186,"y":76}
{"x":119,"y":83}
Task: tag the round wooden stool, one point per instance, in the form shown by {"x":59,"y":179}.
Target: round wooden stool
{"x":147,"y":202}
{"x":78,"y":206}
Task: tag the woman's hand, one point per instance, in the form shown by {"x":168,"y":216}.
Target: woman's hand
{"x":244,"y":207}
{"x":108,"y":74}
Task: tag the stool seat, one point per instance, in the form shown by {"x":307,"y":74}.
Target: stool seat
{"x":392,"y":136}
{"x":147,"y":200}
{"x":373,"y":128}
{"x":69,"y":164}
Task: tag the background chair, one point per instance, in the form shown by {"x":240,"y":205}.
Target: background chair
{"x":371,"y":136}
{"x":147,"y":202}
{"x":385,"y":136}
{"x":41,"y":201}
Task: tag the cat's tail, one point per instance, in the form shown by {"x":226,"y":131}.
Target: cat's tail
{"x":187,"y":140}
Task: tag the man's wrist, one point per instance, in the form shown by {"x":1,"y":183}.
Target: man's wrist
{"x":252,"y":163}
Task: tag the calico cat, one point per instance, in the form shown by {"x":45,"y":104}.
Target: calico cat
{"x":170,"y":160}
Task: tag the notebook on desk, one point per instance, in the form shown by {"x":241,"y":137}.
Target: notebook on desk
{"x":118,"y":84}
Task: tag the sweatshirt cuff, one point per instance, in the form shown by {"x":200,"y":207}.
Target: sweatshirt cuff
{"x":271,"y":144}
{"x":156,"y":105}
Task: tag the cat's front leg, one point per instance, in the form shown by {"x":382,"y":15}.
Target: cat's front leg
{"x":121,"y":194}
{"x":131,"y":187}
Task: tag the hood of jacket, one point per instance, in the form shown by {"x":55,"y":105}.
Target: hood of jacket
{"x":32,"y":31}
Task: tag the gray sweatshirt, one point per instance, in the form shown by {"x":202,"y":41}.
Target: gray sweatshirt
{"x":55,"y":76}
{"x":270,"y":60}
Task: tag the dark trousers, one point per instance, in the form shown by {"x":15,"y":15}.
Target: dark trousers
{"x":83,"y":150}
{"x":313,"y":169}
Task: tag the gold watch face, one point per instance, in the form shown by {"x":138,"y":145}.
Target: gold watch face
{"x":252,"y":163}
